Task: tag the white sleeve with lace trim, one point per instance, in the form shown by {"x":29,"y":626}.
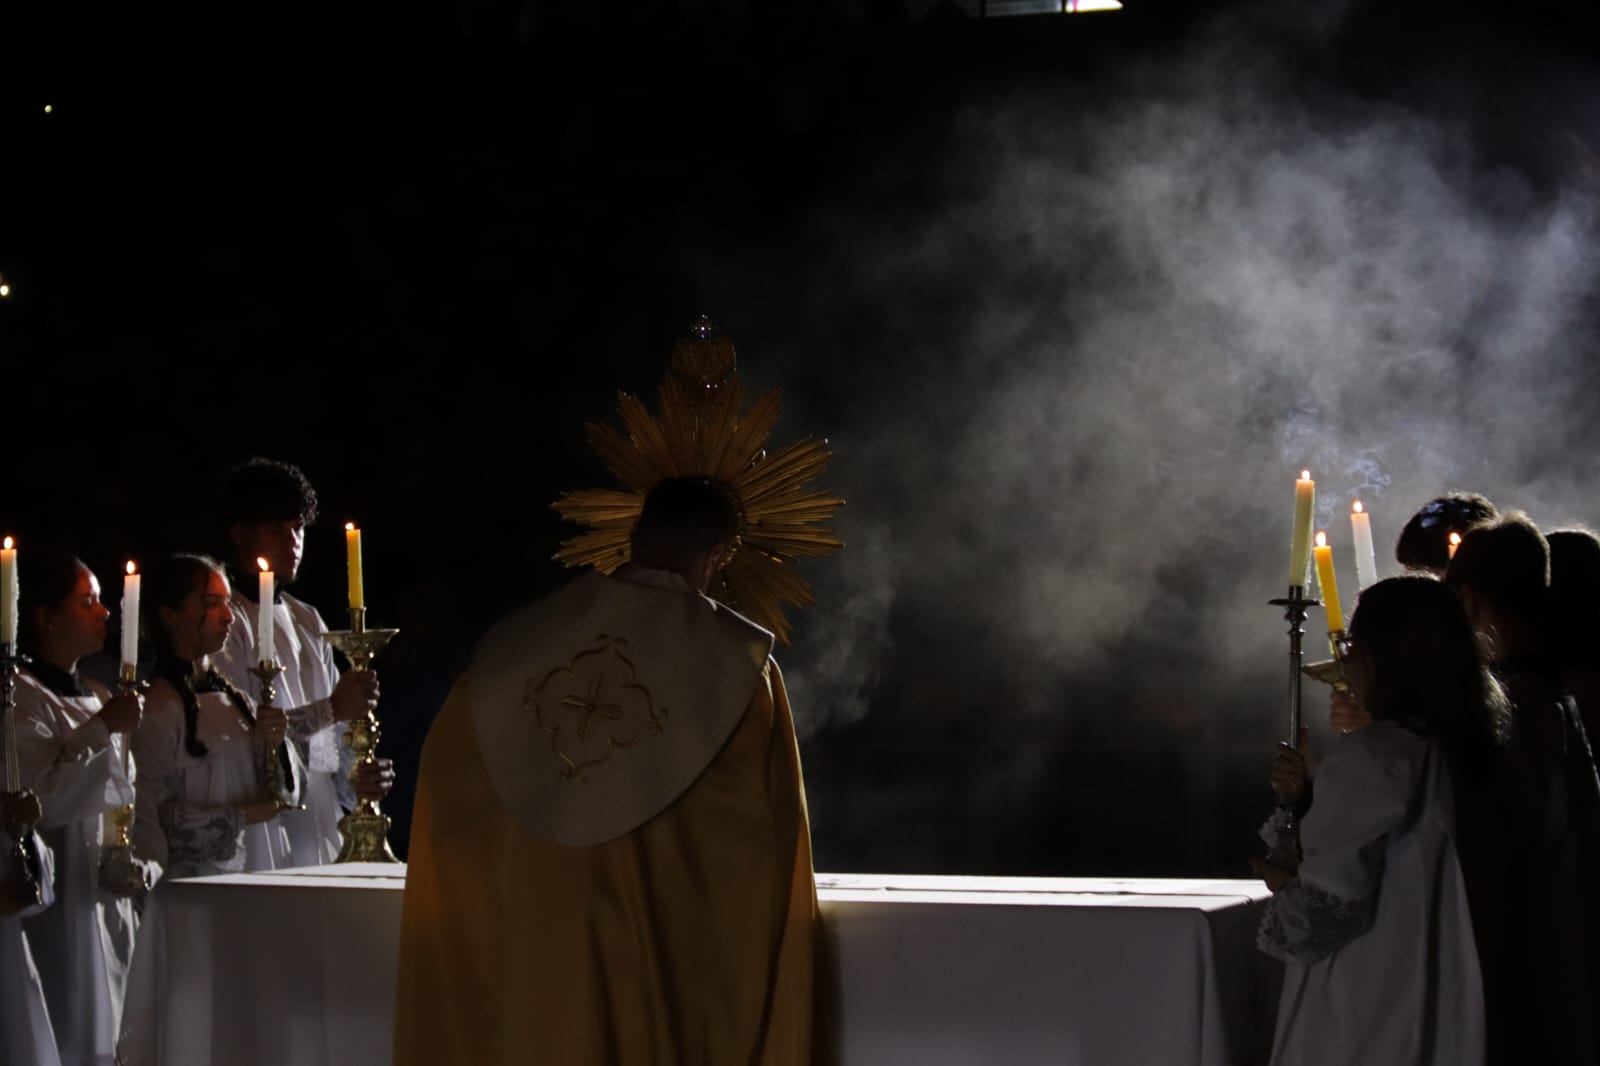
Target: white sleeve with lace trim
{"x":1362,"y":799}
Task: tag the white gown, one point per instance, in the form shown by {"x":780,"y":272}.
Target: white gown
{"x":83,"y":945}
{"x":26,"y":1035}
{"x":304,"y":690}
{"x":188,"y":815}
{"x":188,"y":818}
{"x":1375,"y":930}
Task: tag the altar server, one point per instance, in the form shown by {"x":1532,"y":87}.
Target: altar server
{"x":610,"y":861}
{"x":203,"y":802}
{"x":1375,"y":925}
{"x":1549,"y":942}
{"x":265,"y":507}
{"x":72,"y":736}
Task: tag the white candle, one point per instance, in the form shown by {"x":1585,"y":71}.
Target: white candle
{"x":8,"y":594}
{"x":1300,"y":547}
{"x":130,"y":616}
{"x":1366,"y":558}
{"x":264,"y":616}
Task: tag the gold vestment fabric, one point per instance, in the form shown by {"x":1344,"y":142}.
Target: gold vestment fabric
{"x":689,"y":941}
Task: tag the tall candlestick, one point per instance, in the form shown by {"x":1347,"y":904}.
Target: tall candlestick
{"x":130,"y":616}
{"x":1366,"y":558}
{"x":8,"y":594}
{"x":352,"y":549}
{"x":264,"y":634}
{"x":1454,"y":543}
{"x":1300,"y":546}
{"x":1328,"y":585}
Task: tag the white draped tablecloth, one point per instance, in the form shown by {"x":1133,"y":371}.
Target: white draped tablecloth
{"x":298,"y":967}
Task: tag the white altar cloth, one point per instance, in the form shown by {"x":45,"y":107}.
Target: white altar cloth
{"x":298,"y":966}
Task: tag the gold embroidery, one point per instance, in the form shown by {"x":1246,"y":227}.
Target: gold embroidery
{"x":570,"y":700}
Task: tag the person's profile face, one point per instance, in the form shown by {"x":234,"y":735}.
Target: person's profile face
{"x":78,"y":623}
{"x":200,"y":626}
{"x":281,"y":543}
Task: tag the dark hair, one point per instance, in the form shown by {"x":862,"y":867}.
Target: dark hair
{"x":1507,"y":564}
{"x":1575,"y":597}
{"x":265,"y":490}
{"x":1424,"y":543}
{"x":46,"y":578}
{"x":684,"y":516}
{"x":1426,"y":671}
{"x":168,"y":583}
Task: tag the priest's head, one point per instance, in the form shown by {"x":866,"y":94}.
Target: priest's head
{"x":688,"y":525}
{"x":265,"y":506}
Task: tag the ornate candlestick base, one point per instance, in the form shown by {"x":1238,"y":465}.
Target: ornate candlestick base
{"x":118,"y":873}
{"x":1331,"y":672}
{"x":365,"y":829}
{"x":272,"y":769}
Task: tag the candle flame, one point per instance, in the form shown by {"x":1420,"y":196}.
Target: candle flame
{"x":1322,"y":539}
{"x":1357,"y":507}
{"x":262,"y":563}
{"x":1455,"y":542}
{"x":1305,"y":475}
{"x":9,"y":543}
{"x":131,"y":568}
{"x":349,"y":525}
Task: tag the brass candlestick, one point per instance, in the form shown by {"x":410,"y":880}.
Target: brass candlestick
{"x":365,"y":829}
{"x":272,"y":769}
{"x":118,"y":873}
{"x":1331,"y":671}
{"x":27,"y":890}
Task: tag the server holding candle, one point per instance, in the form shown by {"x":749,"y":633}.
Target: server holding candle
{"x":72,"y":742}
{"x":264,"y":508}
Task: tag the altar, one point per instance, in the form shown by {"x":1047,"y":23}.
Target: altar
{"x":299,"y":966}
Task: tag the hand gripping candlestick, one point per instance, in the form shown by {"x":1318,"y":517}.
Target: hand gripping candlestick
{"x":118,"y":873}
{"x":365,"y":829}
{"x":280,"y":789}
{"x":28,"y":889}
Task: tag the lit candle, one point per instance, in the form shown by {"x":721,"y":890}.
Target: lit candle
{"x":264,"y":615}
{"x":1300,"y":546}
{"x":1328,"y":585}
{"x":130,"y":616}
{"x":352,"y":549}
{"x":8,"y":594}
{"x":1366,"y":558}
{"x":1455,"y":542}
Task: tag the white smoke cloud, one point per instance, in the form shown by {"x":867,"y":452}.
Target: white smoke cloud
{"x":1090,"y":348}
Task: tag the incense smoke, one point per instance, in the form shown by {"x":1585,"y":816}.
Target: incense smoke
{"x":1086,"y":350}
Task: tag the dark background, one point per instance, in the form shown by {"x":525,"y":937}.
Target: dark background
{"x":413,"y":247}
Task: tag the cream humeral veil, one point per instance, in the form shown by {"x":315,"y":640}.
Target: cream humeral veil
{"x":599,"y":705}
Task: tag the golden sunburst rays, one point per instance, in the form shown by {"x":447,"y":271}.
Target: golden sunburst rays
{"x":702,"y":432}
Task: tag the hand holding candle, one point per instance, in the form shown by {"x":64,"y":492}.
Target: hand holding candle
{"x":352,"y":547}
{"x":1300,"y":546}
{"x":264,"y":634}
{"x":8,"y":594}
{"x":1366,"y":558}
{"x":130,"y":616}
{"x":1328,"y":585}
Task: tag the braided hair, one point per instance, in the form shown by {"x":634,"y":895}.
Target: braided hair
{"x":168,"y":583}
